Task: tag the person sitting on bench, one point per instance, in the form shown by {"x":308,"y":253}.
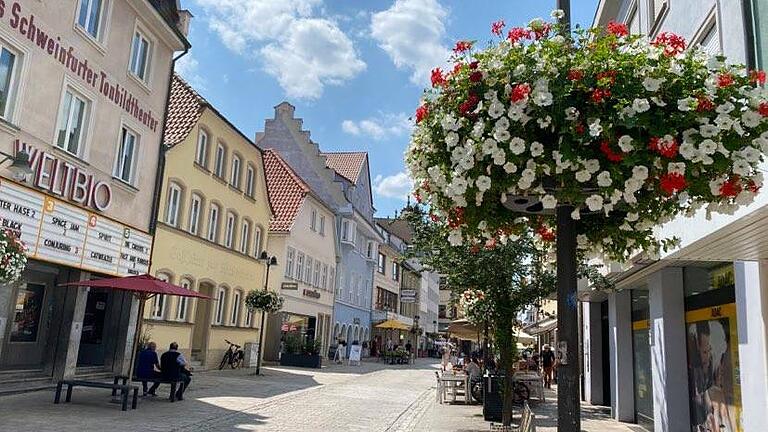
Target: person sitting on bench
{"x":148,"y":368}
{"x":173,"y":367}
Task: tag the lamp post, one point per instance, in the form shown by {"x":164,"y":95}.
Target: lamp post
{"x":19,"y":164}
{"x":268,"y":261}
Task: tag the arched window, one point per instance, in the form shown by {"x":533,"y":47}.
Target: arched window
{"x":221,"y":303}
{"x":257,"y":241}
{"x":234,"y":179}
{"x":201,"y":154}
{"x":336,"y":330}
{"x":221,"y":154}
{"x":157,"y":310}
{"x":245,"y":236}
{"x":195,"y":206}
{"x":229,"y":232}
{"x":248,"y":316}
{"x":234,"y":317}
{"x":173,"y":202}
{"x":213,"y":223}
{"x":250,"y":179}
{"x":343,"y":332}
{"x":181,"y":309}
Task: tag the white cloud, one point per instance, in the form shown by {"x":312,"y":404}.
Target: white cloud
{"x":412,"y":32}
{"x":187,"y":67}
{"x":394,"y":186}
{"x":302,"y":50}
{"x":378,"y":128}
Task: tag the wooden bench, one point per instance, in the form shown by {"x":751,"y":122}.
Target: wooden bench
{"x":173,"y":383}
{"x":124,"y":391}
{"x":526,"y":422}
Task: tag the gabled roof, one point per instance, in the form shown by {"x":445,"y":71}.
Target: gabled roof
{"x":185,"y":106}
{"x":347,"y":164}
{"x":286,"y":191}
{"x":397,"y":227}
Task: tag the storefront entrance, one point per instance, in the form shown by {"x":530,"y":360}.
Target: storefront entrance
{"x":99,"y":310}
{"x":202,"y":324}
{"x":29,"y":323}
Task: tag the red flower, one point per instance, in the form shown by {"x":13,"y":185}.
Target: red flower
{"x":757,"y":77}
{"x":490,"y":244}
{"x":476,"y":76}
{"x":703,"y":103}
{"x":520,"y":92}
{"x":666,"y":148}
{"x":618,"y":29}
{"x":434,"y":217}
{"x":724,"y":80}
{"x":763,"y":109}
{"x":462,"y":46}
{"x":542,"y":32}
{"x":421,"y":113}
{"x":497,"y":27}
{"x":580,"y":128}
{"x":546,"y":234}
{"x":437,"y":77}
{"x":672,"y":182}
{"x":475,"y":249}
{"x":575,"y":75}
{"x":469,"y":104}
{"x":599,"y":95}
{"x":753,"y":187}
{"x":731,"y":187}
{"x":457,"y":68}
{"x":607,"y":77}
{"x":517,"y":34}
{"x":611,"y":155}
{"x":672,"y":43}
{"x":474,"y":65}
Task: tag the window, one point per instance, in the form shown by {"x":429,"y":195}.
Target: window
{"x":332,"y":280}
{"x":157,"y":310}
{"x":289,"y":257}
{"x":234,"y":318}
{"x":245,"y":237}
{"x":219,"y":165}
{"x":313,"y":221}
{"x":213,"y":223}
{"x":257,"y":241}
{"x":73,"y":117}
{"x":324,"y":277}
{"x":90,"y":17}
{"x":248,"y":317}
{"x":348,"y":231}
{"x":221,"y":298}
{"x":201,"y":154}
{"x":7,"y":82}
{"x":370,"y":249}
{"x":140,"y":56}
{"x":710,"y":41}
{"x":172,"y":206}
{"x":235,"y":177}
{"x":316,"y":277}
{"x":126,"y":155}
{"x":229,"y":233}
{"x":181,"y":310}
{"x":249,"y":178}
{"x":382,"y":264}
{"x":308,"y":271}
{"x":395,"y":271}
{"x":299,"y":266}
{"x":194,"y":213}
{"x":386,"y":300}
{"x":322,"y":225}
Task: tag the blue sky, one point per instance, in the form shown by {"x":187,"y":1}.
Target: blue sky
{"x":354,"y":69}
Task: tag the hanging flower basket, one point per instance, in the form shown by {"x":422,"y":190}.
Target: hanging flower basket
{"x":13,"y":257}
{"x":630,"y":132}
{"x":266,"y":301}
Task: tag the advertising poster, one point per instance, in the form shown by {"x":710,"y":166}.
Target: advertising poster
{"x":713,"y":369}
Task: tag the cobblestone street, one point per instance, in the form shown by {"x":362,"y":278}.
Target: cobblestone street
{"x":371,"y":397}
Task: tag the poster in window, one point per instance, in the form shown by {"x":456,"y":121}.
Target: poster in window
{"x":713,"y":368}
{"x":26,"y":317}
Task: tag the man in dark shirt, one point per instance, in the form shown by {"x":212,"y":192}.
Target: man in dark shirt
{"x":147,"y":368}
{"x":174,"y":367}
{"x":547,"y":363}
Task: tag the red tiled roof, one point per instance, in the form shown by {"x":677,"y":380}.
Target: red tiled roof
{"x":184,"y":109}
{"x":346,"y":164}
{"x":286,"y":191}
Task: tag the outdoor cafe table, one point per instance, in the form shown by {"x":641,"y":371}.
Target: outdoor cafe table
{"x":454,"y":380}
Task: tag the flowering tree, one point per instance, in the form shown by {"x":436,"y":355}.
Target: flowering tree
{"x":13,"y":257}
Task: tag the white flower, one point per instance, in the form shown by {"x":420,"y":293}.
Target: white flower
{"x":685,"y":104}
{"x":483,"y":183}
{"x":542,"y":98}
{"x":501,"y":134}
{"x":496,"y":109}
{"x":742,"y":167}
{"x":571,"y":113}
{"x":762,"y":143}
{"x":502,"y":123}
{"x":549,"y":201}
{"x":510,"y":168}
{"x":658,"y":101}
{"x":627,"y":111}
{"x":449,"y":123}
{"x":594,"y":202}
{"x":519,"y":70}
{"x":708,"y":130}
{"x":528,"y":175}
{"x":499,"y":157}
{"x":458,"y":186}
{"x":595,"y":129}
{"x":641,"y":105}
{"x":537,"y":149}
{"x":632,"y":217}
{"x":625,"y":143}
{"x":688,"y":150}
{"x":604,"y":179}
{"x":583,"y":176}
{"x":557,"y":14}
{"x":478,"y":129}
{"x":652,"y":84}
{"x":592,"y":165}
{"x":489,"y":146}
{"x":725,"y":108}
{"x":517,"y":145}
{"x":455,"y":238}
{"x":451,"y":139}
{"x":708,"y":146}
{"x":576,"y":214}
{"x":676,"y":167}
{"x":751,"y":119}
{"x":751,"y":154}
{"x":640,"y":173}
{"x":544,"y":122}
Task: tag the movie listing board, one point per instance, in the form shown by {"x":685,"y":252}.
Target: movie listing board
{"x":58,"y":232}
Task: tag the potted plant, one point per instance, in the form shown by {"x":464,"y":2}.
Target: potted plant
{"x":13,"y":257}
{"x":299,"y":353}
{"x":263,"y":300}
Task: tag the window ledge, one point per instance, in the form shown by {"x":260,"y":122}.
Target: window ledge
{"x":235,"y":188}
{"x":202,"y":168}
{"x":141,"y":83}
{"x":249,"y":198}
{"x":122,"y":184}
{"x":95,"y":43}
{"x":9,"y":127}
{"x":220,"y":180}
{"x":69,"y":156}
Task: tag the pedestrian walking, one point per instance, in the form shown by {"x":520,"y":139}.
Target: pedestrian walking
{"x":547,"y":363}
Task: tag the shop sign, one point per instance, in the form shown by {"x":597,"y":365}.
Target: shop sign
{"x":58,"y":232}
{"x":408,"y":296}
{"x":311,"y":293}
{"x":289,"y":286}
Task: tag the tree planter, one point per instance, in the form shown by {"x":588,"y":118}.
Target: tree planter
{"x":301,"y":360}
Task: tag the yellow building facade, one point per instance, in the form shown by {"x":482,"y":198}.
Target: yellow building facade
{"x":213,"y":222}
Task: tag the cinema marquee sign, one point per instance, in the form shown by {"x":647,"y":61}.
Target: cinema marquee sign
{"x":62,"y":178}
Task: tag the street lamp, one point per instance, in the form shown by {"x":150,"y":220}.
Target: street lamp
{"x":268,"y":261}
{"x":19,"y":164}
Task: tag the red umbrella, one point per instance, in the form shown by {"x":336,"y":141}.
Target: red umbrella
{"x":143,"y":287}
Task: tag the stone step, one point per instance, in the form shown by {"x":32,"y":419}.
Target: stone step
{"x":23,"y":382}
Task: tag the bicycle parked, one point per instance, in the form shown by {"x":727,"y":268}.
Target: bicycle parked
{"x":233,"y":356}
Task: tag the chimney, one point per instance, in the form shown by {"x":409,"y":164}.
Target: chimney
{"x":185,"y":19}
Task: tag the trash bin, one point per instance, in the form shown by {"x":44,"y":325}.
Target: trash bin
{"x":492,"y":401}
{"x":251,"y":354}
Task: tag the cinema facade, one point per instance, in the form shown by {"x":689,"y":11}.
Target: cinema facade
{"x":83,"y":89}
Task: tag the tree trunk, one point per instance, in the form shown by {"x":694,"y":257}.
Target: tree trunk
{"x":506,"y":344}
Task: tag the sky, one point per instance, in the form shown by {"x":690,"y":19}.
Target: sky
{"x":354,"y":69}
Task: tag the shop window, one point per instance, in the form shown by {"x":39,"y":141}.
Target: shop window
{"x":221,"y":298}
{"x":257,"y":241}
{"x":90,"y":17}
{"x":229,"y":232}
{"x":172,"y":205}
{"x":73,"y":120}
{"x":201,"y":153}
{"x":250,"y":176}
{"x":289,"y":257}
{"x":126,"y":155}
{"x":194,"y":213}
{"x":181,"y":308}
{"x":234,"y":317}
{"x":245,"y":237}
{"x":213,"y":223}
{"x":219,"y":163}
{"x":234,"y":179}
{"x":8,"y":81}
{"x":27,"y":313}
{"x":141,"y":56}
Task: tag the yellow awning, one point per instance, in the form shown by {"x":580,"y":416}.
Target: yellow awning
{"x":392,"y":324}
